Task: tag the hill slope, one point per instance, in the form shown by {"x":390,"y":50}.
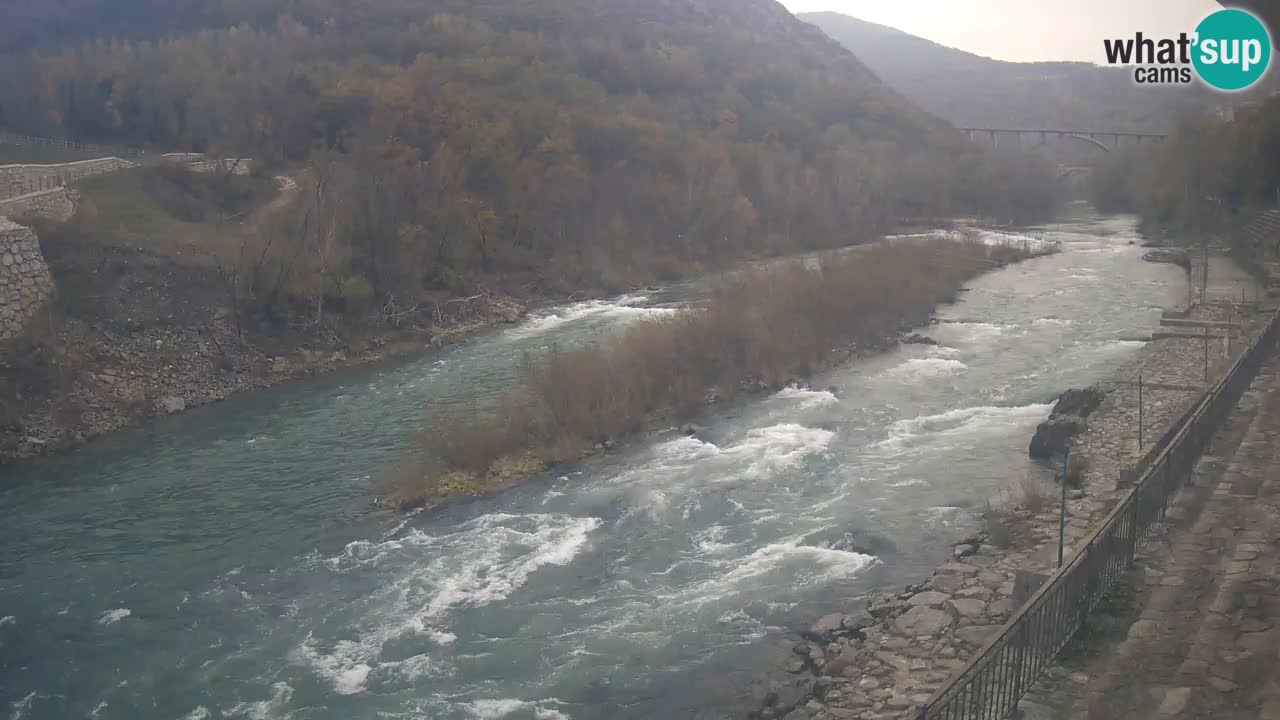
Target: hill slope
{"x":588,"y":141}
{"x":971,"y":90}
{"x":459,"y":145}
{"x":446,"y":154}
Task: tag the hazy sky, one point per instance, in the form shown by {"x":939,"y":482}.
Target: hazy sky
{"x":1024,"y":29}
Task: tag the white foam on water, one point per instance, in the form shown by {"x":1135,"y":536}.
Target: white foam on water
{"x":362,"y":553}
{"x":788,"y":552}
{"x":996,"y":237}
{"x":272,"y":709}
{"x":971,"y":332}
{"x":1123,"y":345}
{"x":684,"y":450}
{"x":908,"y":482}
{"x":735,"y":617}
{"x":199,"y":713}
{"x":114,"y":616}
{"x":787,"y":560}
{"x":669,"y":459}
{"x":943,"y":516}
{"x":556,"y":542}
{"x":918,"y":369}
{"x":807,"y":398}
{"x":22,"y":707}
{"x":622,"y":308}
{"x":496,"y":709}
{"x":1051,"y":322}
{"x":944,"y":234}
{"x":440,"y":637}
{"x":415,"y":668}
{"x":483,"y":561}
{"x":961,"y":422}
{"x":711,"y":541}
{"x":770,"y":450}
{"x":408,"y":518}
{"x":97,"y":709}
{"x":941,"y":351}
{"x":8,"y":620}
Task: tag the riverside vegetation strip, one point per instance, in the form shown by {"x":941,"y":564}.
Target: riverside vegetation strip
{"x":762,"y":328}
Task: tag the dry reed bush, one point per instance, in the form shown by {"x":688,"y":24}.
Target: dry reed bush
{"x":769,"y":325}
{"x":1034,"y":494}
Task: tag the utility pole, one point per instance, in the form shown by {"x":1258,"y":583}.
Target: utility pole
{"x":1062,"y":513}
{"x":1195,"y":184}
{"x":1206,"y":356}
{"x":1139,"y":412}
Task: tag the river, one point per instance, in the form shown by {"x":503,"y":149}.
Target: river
{"x":229,"y":563}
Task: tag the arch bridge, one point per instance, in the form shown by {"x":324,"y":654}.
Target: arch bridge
{"x":1105,"y":140}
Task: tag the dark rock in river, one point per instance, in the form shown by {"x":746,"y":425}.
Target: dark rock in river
{"x":1065,"y":422}
{"x":917,"y":339}
{"x":1080,"y":403}
{"x":692,"y":430}
{"x":856,"y":541}
{"x":1054,"y":436}
{"x":785,"y":695}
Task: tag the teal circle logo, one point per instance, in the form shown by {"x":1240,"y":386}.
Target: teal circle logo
{"x":1232,"y":50}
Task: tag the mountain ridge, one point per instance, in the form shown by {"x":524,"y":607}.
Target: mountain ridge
{"x":968,"y":89}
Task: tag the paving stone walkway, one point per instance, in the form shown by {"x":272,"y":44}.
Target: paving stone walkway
{"x":1207,"y":641}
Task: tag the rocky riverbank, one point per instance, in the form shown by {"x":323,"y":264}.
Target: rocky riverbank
{"x":886,"y":656}
{"x":104,"y":377}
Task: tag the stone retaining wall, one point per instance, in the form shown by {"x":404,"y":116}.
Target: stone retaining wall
{"x":25,"y":283}
{"x":201,"y":163}
{"x":55,"y":204}
{"x":17,"y":180}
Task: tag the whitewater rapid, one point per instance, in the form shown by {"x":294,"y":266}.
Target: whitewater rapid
{"x":228,"y":563}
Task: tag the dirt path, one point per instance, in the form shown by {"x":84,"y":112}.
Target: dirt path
{"x":287,"y":187}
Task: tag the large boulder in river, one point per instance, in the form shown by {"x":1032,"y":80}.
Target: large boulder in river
{"x":1080,"y":403}
{"x":1065,"y":422}
{"x":855,"y":541}
{"x":1054,"y":436}
{"x":172,"y":404}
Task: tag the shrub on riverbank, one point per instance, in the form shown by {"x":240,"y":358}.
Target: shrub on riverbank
{"x":764,"y":327}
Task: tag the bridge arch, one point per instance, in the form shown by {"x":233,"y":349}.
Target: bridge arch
{"x":1088,"y":136}
{"x":1092,"y":141}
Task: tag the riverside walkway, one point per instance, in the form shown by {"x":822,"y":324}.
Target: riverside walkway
{"x":1206,"y":642}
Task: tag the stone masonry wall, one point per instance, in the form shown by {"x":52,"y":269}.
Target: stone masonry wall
{"x":16,"y":180}
{"x":25,"y":283}
{"x":53,"y":204}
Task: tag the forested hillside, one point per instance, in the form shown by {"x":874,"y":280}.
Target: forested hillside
{"x":971,"y":90}
{"x":1229,"y":165}
{"x":583,"y":142}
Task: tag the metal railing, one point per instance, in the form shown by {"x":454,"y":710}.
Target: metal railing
{"x":997,"y":677}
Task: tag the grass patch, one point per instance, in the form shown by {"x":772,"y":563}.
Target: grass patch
{"x":169,"y":210}
{"x":1107,"y":625}
{"x":770,"y":326}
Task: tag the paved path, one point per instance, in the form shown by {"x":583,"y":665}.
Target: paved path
{"x":1207,"y":641}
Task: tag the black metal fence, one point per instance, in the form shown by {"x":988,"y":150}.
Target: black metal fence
{"x":990,"y":687}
